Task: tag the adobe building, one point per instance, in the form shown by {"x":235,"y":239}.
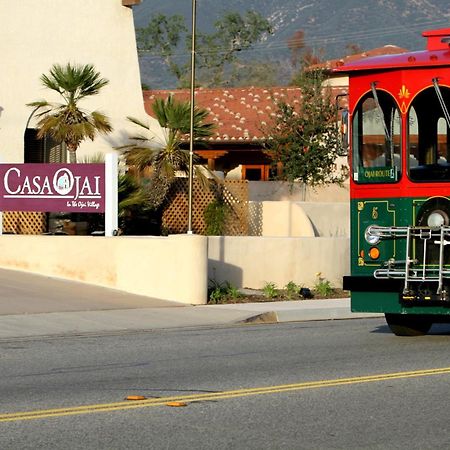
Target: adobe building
{"x":37,"y":34}
{"x":242,"y":117}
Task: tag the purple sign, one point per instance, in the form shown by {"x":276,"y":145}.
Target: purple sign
{"x":52,"y":187}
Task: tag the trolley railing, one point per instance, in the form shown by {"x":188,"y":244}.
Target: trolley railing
{"x":417,"y":269}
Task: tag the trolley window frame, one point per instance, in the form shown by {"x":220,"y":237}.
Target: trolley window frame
{"x":377,"y":157}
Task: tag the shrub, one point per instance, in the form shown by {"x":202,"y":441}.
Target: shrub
{"x":292,"y":290}
{"x":323,"y":286}
{"x":220,"y":292}
{"x":270,"y":290}
{"x":215,"y":216}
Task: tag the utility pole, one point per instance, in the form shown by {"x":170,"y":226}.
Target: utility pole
{"x":191,"y":133}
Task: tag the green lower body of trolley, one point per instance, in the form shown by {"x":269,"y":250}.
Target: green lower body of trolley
{"x":405,"y":316}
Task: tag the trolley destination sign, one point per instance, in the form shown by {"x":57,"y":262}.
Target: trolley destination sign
{"x":52,"y":187}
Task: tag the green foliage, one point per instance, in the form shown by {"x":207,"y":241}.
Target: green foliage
{"x":292,"y":290}
{"x":216,"y":296}
{"x":215,"y":215}
{"x":165,"y":161}
{"x":67,"y":122}
{"x":322,"y":286}
{"x":305,"y":137}
{"x":175,"y":116}
{"x":234,"y":33}
{"x":215,"y":51}
{"x":136,"y":213}
{"x":162,"y":36}
{"x":131,"y":196}
{"x":233,"y":292}
{"x":270,"y":290}
{"x":222,"y":292}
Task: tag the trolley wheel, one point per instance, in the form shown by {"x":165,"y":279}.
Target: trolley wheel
{"x":408,"y":324}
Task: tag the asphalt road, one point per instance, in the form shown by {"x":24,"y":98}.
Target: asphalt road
{"x":283,"y":386}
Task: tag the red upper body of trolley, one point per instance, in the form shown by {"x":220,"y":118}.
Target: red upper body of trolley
{"x":403,"y":76}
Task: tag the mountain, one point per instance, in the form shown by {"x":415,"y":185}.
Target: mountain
{"x":329,"y":26}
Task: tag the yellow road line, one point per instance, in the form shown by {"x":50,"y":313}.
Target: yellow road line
{"x":108,"y":407}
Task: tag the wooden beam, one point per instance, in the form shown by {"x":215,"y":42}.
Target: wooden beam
{"x":211,"y":154}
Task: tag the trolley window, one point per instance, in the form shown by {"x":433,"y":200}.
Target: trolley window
{"x":376,"y":139}
{"x":428,"y":135}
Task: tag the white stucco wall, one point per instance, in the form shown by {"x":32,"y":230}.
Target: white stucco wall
{"x":170,"y":268}
{"x":35,"y":34}
{"x":178,"y":267}
{"x":261,"y":191}
{"x":299,"y":219}
{"x":341,"y":81}
{"x":252,"y":262}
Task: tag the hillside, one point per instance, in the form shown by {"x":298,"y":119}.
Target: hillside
{"x":329,"y":25}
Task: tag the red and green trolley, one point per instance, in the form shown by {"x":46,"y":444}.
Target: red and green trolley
{"x":399,"y":130}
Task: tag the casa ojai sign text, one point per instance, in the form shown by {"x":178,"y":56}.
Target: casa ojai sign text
{"x":52,"y":187}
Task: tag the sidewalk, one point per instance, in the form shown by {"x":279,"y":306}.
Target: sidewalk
{"x":32,"y":305}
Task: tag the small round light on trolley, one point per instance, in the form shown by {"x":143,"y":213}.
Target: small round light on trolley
{"x":374,"y":253}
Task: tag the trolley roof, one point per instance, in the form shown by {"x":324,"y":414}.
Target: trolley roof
{"x":437,"y":53}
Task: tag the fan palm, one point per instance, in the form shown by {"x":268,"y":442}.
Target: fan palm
{"x":65,"y":121}
{"x":170,"y":158}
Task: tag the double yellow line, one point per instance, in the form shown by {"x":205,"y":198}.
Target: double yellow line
{"x":215,"y":396}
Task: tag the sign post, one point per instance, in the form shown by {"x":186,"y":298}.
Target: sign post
{"x":111,"y":194}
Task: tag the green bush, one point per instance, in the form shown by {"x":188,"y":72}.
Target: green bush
{"x":270,"y":290}
{"x":323,"y":286}
{"x":215,"y":216}
{"x":220,"y":292}
{"x":292,"y":290}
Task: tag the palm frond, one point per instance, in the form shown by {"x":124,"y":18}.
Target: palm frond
{"x":140,"y":157}
{"x":138,"y":122}
{"x":169,"y":161}
{"x":96,"y":158}
{"x":73,"y":81}
{"x":66,"y":122}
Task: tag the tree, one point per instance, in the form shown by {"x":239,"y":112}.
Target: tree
{"x":234,"y":34}
{"x":296,"y":43}
{"x":163,"y":35}
{"x":302,"y":55}
{"x":65,"y":121}
{"x":164,"y":162}
{"x":305,"y":138}
{"x":215,"y":51}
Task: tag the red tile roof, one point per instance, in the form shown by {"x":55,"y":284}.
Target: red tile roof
{"x":240,"y":114}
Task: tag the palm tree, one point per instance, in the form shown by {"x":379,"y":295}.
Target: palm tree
{"x":65,"y":121}
{"x":171,"y":158}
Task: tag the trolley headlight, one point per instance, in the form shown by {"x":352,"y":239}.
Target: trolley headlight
{"x":437,"y":218}
{"x":371,"y":237}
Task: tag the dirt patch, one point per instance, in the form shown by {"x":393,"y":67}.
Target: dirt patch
{"x":259,"y":297}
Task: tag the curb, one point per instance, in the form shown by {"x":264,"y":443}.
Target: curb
{"x":267,"y":317}
{"x":305,"y":316}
